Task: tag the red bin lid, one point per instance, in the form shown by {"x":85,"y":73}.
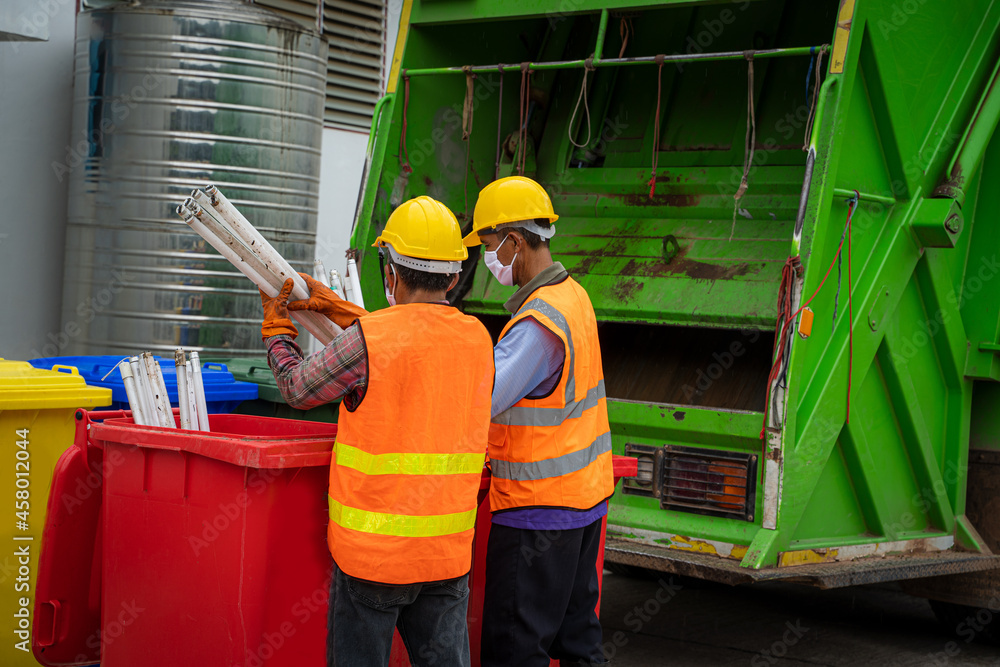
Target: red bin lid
{"x":243,"y":440}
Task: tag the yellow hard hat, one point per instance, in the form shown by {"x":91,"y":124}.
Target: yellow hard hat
{"x":510,"y":199}
{"x":424,"y":229}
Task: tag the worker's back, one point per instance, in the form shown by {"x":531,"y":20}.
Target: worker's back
{"x":409,"y":458}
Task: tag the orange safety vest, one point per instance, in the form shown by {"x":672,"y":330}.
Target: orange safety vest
{"x":408,"y":461}
{"x":555,"y":451}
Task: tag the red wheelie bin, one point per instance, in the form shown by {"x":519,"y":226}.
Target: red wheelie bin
{"x":165,"y":547}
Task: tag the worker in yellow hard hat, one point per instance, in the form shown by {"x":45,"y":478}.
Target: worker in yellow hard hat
{"x":409,"y":452}
{"x":549,"y":444}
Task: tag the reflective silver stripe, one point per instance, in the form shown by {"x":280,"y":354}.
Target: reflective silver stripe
{"x":524,"y":416}
{"x":557,"y":467}
{"x":557,"y":318}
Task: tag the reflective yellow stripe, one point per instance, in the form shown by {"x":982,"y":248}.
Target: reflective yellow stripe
{"x":408,"y":463}
{"x":401,"y":525}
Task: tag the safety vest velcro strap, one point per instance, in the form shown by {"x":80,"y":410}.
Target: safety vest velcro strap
{"x":556,"y":467}
{"x":520,"y":415}
{"x":408,"y":463}
{"x":401,"y":525}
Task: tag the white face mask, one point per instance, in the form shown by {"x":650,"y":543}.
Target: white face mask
{"x":391,"y":296}
{"x":505,"y":274}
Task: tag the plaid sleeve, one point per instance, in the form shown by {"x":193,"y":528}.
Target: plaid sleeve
{"x":338,"y":371}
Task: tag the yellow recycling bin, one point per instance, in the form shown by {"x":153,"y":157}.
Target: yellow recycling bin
{"x":37,"y":409}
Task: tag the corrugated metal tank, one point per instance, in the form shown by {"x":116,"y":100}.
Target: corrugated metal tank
{"x":169,"y":96}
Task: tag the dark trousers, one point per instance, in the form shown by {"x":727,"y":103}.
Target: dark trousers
{"x":541,"y":597}
{"x":430,"y":618}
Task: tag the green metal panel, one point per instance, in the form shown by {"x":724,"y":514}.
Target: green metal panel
{"x":687,"y":290}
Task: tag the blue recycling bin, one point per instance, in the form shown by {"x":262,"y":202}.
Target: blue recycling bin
{"x":222,"y":391}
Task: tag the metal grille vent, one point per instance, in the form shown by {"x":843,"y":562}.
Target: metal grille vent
{"x":302,"y":12}
{"x":356,"y":32}
{"x":708,"y":481}
{"x":647,"y":481}
{"x":692,"y":479}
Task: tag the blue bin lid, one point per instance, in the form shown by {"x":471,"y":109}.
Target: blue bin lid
{"x":219,"y":383}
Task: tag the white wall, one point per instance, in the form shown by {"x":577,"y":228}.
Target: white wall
{"x":23,"y":20}
{"x":340,"y":181}
{"x":340,"y":176}
{"x":36,"y":87}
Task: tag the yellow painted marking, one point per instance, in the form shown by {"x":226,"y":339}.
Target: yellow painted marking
{"x":397,"y":52}
{"x":697,"y":546}
{"x":844,"y":19}
{"x":806,"y":556}
{"x":690,"y":545}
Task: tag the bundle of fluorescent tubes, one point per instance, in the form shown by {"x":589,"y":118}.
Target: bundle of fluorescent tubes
{"x":147,"y":391}
{"x":353,"y":283}
{"x":335,"y":282}
{"x":215,"y":219}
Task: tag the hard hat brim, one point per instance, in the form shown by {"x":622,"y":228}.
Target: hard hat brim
{"x":472,"y":239}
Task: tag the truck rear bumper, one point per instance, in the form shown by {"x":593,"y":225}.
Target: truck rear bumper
{"x":822,"y":575}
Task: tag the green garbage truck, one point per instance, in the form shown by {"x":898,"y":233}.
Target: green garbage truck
{"x":787,"y":217}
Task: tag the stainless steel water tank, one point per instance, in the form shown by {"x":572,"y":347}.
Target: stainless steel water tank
{"x":171,"y":95}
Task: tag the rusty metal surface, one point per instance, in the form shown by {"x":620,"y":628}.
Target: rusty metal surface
{"x":825,"y":575}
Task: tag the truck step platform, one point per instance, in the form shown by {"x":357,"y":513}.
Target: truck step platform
{"x":822,"y":575}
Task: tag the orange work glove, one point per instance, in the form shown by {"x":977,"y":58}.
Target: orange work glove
{"x":276,"y":319}
{"x":325,"y":301}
